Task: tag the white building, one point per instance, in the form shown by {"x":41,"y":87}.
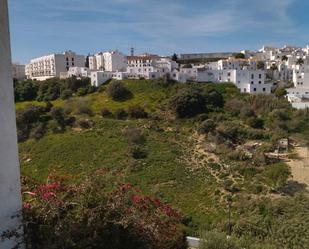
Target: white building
{"x":78,"y":72}
{"x":100,"y":77}
{"x":18,"y":71}
{"x":52,"y":65}
{"x":248,"y":81}
{"x":142,"y":66}
{"x":10,"y":191}
{"x":108,"y":61}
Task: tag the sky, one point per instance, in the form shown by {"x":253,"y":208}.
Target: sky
{"x":40,"y":27}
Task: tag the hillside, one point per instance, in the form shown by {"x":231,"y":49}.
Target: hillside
{"x":200,"y":169}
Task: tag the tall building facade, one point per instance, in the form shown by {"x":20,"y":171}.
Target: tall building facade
{"x":52,"y":65}
{"x":112,"y":61}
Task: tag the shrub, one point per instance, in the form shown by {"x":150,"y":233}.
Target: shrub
{"x":218,"y":240}
{"x":38,"y":132}
{"x":83,"y":108}
{"x":256,"y":123}
{"x":90,"y":216}
{"x":137,"y":112}
{"x":187,"y":103}
{"x":81,"y":91}
{"x":278,"y":174}
{"x":120,"y":113}
{"x":117,"y":91}
{"x":66,"y":94}
{"x":57,"y":113}
{"x":134,"y":136}
{"x":137,"y":152}
{"x":207,"y":126}
{"x":83,"y":123}
{"x":106,"y":113}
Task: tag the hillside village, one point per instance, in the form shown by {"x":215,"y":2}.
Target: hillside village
{"x":251,"y":71}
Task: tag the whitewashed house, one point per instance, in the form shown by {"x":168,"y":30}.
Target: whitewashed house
{"x":100,"y":77}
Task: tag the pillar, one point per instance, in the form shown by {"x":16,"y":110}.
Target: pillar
{"x":10,"y":196}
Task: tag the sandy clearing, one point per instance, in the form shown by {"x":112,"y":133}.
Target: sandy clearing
{"x":300,"y":166}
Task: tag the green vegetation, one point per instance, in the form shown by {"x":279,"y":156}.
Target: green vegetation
{"x":204,"y":148}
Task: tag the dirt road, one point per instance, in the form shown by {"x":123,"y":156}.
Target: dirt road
{"x":300,"y":166}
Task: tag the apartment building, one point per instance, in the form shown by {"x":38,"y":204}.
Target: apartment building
{"x":142,"y":66}
{"x":248,"y":81}
{"x":18,"y":71}
{"x":108,"y":61}
{"x":52,"y":65}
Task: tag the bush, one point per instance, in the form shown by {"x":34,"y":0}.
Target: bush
{"x":120,"y":114}
{"x":57,"y":113}
{"x":92,"y":216}
{"x":106,"y":113}
{"x":187,"y":103}
{"x":83,"y":108}
{"x":278,"y":174}
{"x":137,"y":152}
{"x":256,"y":123}
{"x":66,"y":94}
{"x":134,"y":136}
{"x":218,"y":240}
{"x":81,"y":91}
{"x":38,"y":132}
{"x":26,"y":90}
{"x":207,"y":126}
{"x":117,"y":91}
{"x":137,"y":112}
{"x":83,"y":123}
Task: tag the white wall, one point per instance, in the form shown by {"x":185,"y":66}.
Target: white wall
{"x":10,"y":196}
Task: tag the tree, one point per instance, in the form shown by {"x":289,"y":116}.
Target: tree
{"x":300,"y":61}
{"x":284,"y":58}
{"x":187,"y":103}
{"x":260,"y":65}
{"x":274,"y":67}
{"x":26,"y":90}
{"x":118,"y":91}
{"x":175,"y":57}
{"x":280,"y":92}
{"x":240,"y":56}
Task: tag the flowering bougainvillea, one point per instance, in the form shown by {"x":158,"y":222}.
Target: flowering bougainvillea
{"x":59,"y":215}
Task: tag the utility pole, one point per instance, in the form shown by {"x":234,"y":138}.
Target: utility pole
{"x":10,"y":194}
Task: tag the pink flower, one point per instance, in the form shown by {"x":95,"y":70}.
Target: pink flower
{"x":27,"y":206}
{"x":48,"y":195}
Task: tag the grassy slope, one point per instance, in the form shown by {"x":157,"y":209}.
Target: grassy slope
{"x":79,"y":153}
{"x":104,"y":146}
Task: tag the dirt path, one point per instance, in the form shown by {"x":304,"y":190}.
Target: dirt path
{"x":300,"y":166}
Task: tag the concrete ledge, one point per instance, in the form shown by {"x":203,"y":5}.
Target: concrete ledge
{"x":193,"y":242}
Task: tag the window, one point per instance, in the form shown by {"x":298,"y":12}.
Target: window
{"x":264,"y":89}
{"x":260,"y":76}
{"x":228,"y":74}
{"x":254,"y":89}
{"x":245,"y":90}
{"x":252,"y":82}
{"x":260,"y":82}
{"x":252,"y":76}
